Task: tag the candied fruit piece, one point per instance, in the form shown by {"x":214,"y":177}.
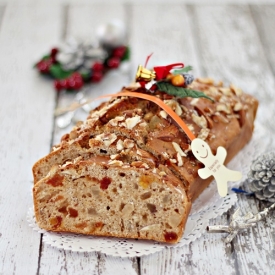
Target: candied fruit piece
{"x":81,"y":225}
{"x":56,"y":180}
{"x":72,"y":212}
{"x":146,"y":195}
{"x":105,"y":182}
{"x":55,"y":222}
{"x":145,"y":181}
{"x":152,"y":207}
{"x":170,"y":236}
{"x":63,"y":210}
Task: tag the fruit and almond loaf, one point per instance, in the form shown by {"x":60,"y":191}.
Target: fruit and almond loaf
{"x":128,"y":170}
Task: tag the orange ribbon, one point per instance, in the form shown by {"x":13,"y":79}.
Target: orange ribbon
{"x":160,"y":103}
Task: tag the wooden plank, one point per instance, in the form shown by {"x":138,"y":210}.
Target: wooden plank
{"x":27,"y":103}
{"x":241,"y":59}
{"x":234,"y":53}
{"x":83,"y":20}
{"x":164,"y":31}
{"x":264,"y":18}
{"x":201,"y":256}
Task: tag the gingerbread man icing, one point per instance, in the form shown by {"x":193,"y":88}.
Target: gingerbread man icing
{"x":214,"y":165}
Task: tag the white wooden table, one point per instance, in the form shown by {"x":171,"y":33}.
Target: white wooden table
{"x":234,"y":43}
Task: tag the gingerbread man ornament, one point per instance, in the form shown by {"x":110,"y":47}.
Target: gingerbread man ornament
{"x":214,"y":165}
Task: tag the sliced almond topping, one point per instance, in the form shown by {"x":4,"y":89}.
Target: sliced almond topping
{"x":203,"y":134}
{"x":115,"y":162}
{"x":114,"y":121}
{"x":174,"y":105}
{"x":163,"y":114}
{"x":173,"y":160}
{"x":199,"y":120}
{"x":238,"y":106}
{"x":162,"y":173}
{"x":224,"y":108}
{"x":120,"y":118}
{"x":128,"y":143}
{"x":236,"y":90}
{"x":194,"y":101}
{"x":114,"y":156}
{"x":119,"y":145}
{"x":205,"y":80}
{"x":220,"y":84}
{"x":145,"y":165}
{"x":191,"y":128}
{"x":107,"y":139}
{"x":226,"y":91}
{"x":180,"y":163}
{"x":137,"y":164}
{"x":131,"y":122}
{"x":178,"y":149}
{"x":165,"y":155}
{"x":213,"y":91}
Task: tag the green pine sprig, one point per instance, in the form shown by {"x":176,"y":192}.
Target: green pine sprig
{"x":180,"y":91}
{"x":183,"y":70}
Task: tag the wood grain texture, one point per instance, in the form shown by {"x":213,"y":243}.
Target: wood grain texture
{"x":264,"y":17}
{"x":163,"y":30}
{"x":241,"y":59}
{"x":27,"y":104}
{"x":82,"y":22}
{"x":231,"y":32}
{"x":207,"y":255}
{"x":90,"y":2}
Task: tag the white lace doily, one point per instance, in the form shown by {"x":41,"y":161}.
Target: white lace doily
{"x":208,"y":206}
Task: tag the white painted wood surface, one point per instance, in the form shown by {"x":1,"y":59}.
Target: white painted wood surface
{"x":229,"y":42}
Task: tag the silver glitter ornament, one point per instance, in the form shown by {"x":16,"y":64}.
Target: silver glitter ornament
{"x":262,"y":177}
{"x":239,"y":223}
{"x":76,"y":55}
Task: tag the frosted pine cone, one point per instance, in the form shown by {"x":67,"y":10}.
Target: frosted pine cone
{"x":262,"y":177}
{"x":188,"y":78}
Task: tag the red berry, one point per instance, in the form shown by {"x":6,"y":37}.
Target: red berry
{"x":119,"y":52}
{"x":78,"y":85}
{"x":71,"y":83}
{"x":97,"y":66}
{"x":113,"y":62}
{"x":57,"y":85}
{"x":76,"y":75}
{"x":64,"y":84}
{"x":54,"y":52}
{"x":153,"y":87}
{"x":44,"y":66}
{"x":96,"y":77}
